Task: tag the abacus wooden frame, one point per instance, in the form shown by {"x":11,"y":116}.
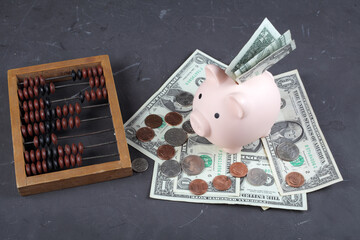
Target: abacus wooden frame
{"x":76,"y":176}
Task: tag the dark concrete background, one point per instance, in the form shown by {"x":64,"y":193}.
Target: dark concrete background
{"x":147,"y":41}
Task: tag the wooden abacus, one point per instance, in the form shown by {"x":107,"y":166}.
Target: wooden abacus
{"x":32,"y":170}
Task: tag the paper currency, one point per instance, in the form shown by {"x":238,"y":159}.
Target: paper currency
{"x":297,"y":123}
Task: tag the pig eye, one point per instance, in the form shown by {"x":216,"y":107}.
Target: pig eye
{"x":217,"y":115}
{"x":200,"y":95}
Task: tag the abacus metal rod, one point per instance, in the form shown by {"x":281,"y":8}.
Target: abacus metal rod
{"x":86,"y":134}
{"x":71,"y":85}
{"x":94,"y":106}
{"x":101,"y":156}
{"x":96,"y":118}
{"x":99,"y":144}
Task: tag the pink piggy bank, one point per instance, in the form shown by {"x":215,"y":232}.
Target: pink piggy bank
{"x":230,"y":115}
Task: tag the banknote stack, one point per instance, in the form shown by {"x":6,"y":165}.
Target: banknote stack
{"x":161,"y":130}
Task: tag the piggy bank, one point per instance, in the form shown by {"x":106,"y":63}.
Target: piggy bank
{"x":232,"y":115}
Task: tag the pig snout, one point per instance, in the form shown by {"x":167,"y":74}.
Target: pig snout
{"x":199,"y":124}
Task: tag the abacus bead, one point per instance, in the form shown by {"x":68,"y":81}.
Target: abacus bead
{"x":54,"y":139}
{"x":20,"y":95}
{"x":26,"y":117}
{"x":79,"y":74}
{"x":97,"y":81}
{"x":89,"y":72}
{"x":72,"y":160}
{"x":25,"y":93}
{"x":91,"y":82}
{"x":36,"y":91}
{"x":41,"y":90}
{"x":53,"y":113}
{"x":32,"y":116}
{"x":32,"y":156}
{"x":73,"y":75}
{"x":47,"y":127}
{"x":67,"y":161}
{"x":30,"y":92}
{"x":55,"y":163}
{"x":50,"y":165}
{"x":99,"y":70}
{"x":82,"y":97}
{"x":53,"y":125}
{"x":102,"y":81}
{"x":48,"y":153}
{"x":42,"y":114}
{"x":47,"y":89}
{"x":23,"y":131}
{"x":58,"y":111}
{"x":81,"y":148}
{"x":44,"y":166}
{"x":104,"y":93}
{"x":38,"y":167}
{"x":93,"y":95}
{"x":65,"y":110}
{"x":37,"y":81}
{"x":47,"y":114}
{"x":94,"y":71}
{"x":42,"y":80}
{"x":74,"y":148}
{"x":28,"y":169}
{"x":71,"y":109}
{"x":52,"y":88}
{"x":36,"y":104}
{"x":37,"y":116}
{"x":38,"y":154}
{"x":98,"y":94}
{"x":78,"y":160}
{"x":67,"y":149}
{"x":36,"y":141}
{"x":64,"y":123}
{"x":60,"y":151}
{"x":30,"y":105}
{"x":58,"y":124}
{"x":84,"y":73}
{"x":42,"y":127}
{"x":87,"y":96}
{"x":71,"y":122}
{"x":41,"y":103}
{"x":26,"y":82}
{"x":31,"y":82}
{"x":47,"y":102}
{"x":47,"y":139}
{"x":41,"y":140}
{"x":77,"y":108}
{"x":25,"y":106}
{"x":30,"y":130}
{"x":61,"y":162}
{"x":77,"y":122}
{"x":27,"y":156}
{"x":33,"y":169}
{"x":43,"y":153}
{"x":36,"y":129}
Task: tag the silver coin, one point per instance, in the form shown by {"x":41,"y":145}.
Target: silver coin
{"x":287,"y":151}
{"x":175,"y":136}
{"x":170,"y":168}
{"x":139,"y":165}
{"x":256,"y":177}
{"x":187,"y":127}
{"x":270,"y":180}
{"x":184,"y":98}
{"x":192,"y":165}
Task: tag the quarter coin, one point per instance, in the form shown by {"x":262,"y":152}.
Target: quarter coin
{"x":192,"y":165}
{"x":198,"y":187}
{"x":139,"y":165}
{"x":221,"y":182}
{"x":175,"y":136}
{"x":238,"y":169}
{"x":256,"y":177}
{"x":295,"y":179}
{"x":170,"y":168}
{"x":287,"y":151}
{"x":184,"y":98}
{"x":145,"y":134}
{"x":187,"y":127}
{"x":173,"y":118}
{"x":165,"y":152}
{"x":153,"y":121}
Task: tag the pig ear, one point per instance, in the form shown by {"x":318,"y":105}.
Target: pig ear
{"x":215,"y":74}
{"x":237,"y":105}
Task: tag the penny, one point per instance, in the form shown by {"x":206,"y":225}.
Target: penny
{"x":238,"y":169}
{"x":192,"y":165}
{"x":165,"y":152}
{"x":184,"y":98}
{"x":221,"y":182}
{"x":170,"y":168}
{"x":198,"y":187}
{"x":145,"y":134}
{"x":173,"y":118}
{"x":295,"y":179}
{"x":139,"y":165}
{"x":175,"y":136}
{"x":256,"y":177}
{"x":287,"y":151}
{"x":153,"y":121}
{"x":187,"y":127}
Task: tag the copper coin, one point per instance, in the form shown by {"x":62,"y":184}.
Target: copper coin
{"x":173,"y":118}
{"x":198,"y":187}
{"x":238,"y":169}
{"x":295,"y":179}
{"x":166,"y":152}
{"x":153,"y":121}
{"x":192,"y":165}
{"x":145,"y":134}
{"x":221,"y":182}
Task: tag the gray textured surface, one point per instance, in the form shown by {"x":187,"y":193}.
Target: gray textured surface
{"x":147,"y":41}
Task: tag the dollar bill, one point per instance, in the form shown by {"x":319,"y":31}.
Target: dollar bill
{"x":297,"y":123}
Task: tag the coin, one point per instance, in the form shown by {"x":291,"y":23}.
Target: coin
{"x":256,"y":177}
{"x":185,"y":98}
{"x":192,"y":165}
{"x":287,"y":151}
{"x":165,"y":152}
{"x":175,"y":136}
{"x":139,"y":165}
{"x":153,"y":121}
{"x":221,"y":182}
{"x":198,"y":187}
{"x":145,"y":134}
{"x":187,"y":127}
{"x":170,"y":168}
{"x":238,"y":169}
{"x":295,"y":179}
{"x":173,"y":118}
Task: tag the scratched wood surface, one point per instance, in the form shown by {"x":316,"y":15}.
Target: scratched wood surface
{"x":146,"y":42}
